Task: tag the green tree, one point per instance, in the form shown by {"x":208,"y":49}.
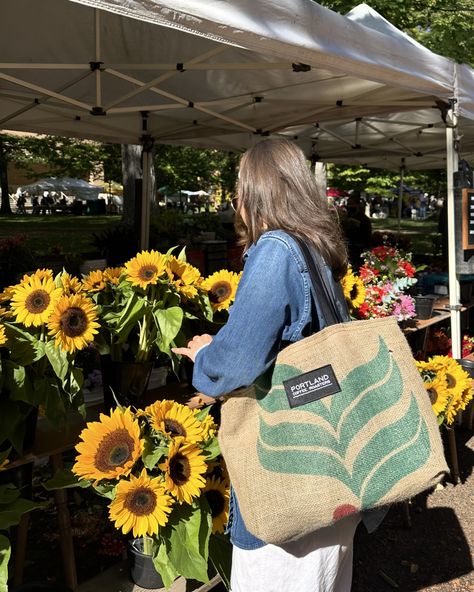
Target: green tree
{"x":443,"y":26}
{"x":185,"y":167}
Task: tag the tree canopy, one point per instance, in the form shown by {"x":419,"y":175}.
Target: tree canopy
{"x":444,"y":26}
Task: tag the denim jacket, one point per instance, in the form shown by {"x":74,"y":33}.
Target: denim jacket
{"x":273,"y":305}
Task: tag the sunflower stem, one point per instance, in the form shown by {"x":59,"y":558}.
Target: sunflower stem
{"x":147,"y":545}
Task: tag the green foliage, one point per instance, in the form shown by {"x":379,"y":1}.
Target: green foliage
{"x":382,"y":182}
{"x":443,"y":26}
{"x":185,"y":167}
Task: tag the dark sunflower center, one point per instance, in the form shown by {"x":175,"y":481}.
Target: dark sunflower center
{"x":147,"y":273}
{"x":140,"y":501}
{"x":433,"y":395}
{"x":37,"y":302}
{"x":216,"y":502}
{"x":174,"y":428}
{"x":354,"y":292}
{"x":180,"y":469}
{"x":451,"y":381}
{"x":114,"y":450}
{"x":220,"y":291}
{"x":73,"y":322}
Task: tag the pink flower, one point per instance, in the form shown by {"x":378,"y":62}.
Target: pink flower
{"x":405,"y":308}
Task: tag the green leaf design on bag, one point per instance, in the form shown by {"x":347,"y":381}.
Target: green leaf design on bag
{"x":321,"y":445}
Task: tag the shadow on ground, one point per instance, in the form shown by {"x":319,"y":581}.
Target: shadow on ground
{"x":434,"y":552}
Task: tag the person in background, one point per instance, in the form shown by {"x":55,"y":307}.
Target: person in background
{"x":277,"y":198}
{"x":358,"y":229}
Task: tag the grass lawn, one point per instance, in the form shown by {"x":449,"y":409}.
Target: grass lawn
{"x":73,"y":234}
{"x":423,"y":234}
{"x":66,"y":234}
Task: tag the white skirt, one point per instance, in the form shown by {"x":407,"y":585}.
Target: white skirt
{"x":319,"y":562}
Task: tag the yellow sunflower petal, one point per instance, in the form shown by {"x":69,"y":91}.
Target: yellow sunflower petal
{"x":175,"y":420}
{"x":221,"y":287}
{"x":146,"y":268}
{"x":184,"y":471}
{"x":141,"y":505}
{"x":217,"y":495}
{"x":110,"y":447}
{"x":73,"y":322}
{"x":33,"y":300}
{"x":94,"y":281}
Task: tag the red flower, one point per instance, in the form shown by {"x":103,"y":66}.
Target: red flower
{"x":407,"y":268}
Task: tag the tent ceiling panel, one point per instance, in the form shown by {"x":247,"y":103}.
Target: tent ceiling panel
{"x":192,"y":67}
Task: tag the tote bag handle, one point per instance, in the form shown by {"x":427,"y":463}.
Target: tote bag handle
{"x":319,"y":286}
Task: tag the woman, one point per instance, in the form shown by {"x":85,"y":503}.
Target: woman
{"x":276,"y":198}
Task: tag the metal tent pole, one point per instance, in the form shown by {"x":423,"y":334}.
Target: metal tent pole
{"x":400,"y":196}
{"x":454,"y":286}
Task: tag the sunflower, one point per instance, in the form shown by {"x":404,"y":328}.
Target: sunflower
{"x":94,"y":281}
{"x":217,"y":496}
{"x":209,"y":426}
{"x":34,"y":299}
{"x":184,"y":471}
{"x":175,"y":420}
{"x":112,"y":275}
{"x":70,"y":283}
{"x":438,"y":394}
{"x":184,"y":276}
{"x":73,"y":322}
{"x":3,"y":337}
{"x":357,"y":293}
{"x":221,"y":287}
{"x":145,"y":268}
{"x":7,"y":293}
{"x":40,"y":274}
{"x":141,"y":505}
{"x":110,"y":447}
{"x":347,"y":283}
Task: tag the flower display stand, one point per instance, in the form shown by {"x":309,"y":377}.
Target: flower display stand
{"x":118,"y":578}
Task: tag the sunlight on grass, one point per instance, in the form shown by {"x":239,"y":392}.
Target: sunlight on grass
{"x":64,"y":234}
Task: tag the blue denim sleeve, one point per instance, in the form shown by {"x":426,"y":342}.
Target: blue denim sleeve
{"x":248,"y":343}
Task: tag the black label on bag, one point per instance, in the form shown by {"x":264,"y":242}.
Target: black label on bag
{"x":311,"y":386}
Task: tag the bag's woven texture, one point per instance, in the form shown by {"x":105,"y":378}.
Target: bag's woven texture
{"x":375,"y":442}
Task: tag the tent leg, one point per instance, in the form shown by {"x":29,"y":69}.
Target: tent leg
{"x":146,"y":199}
{"x":400,"y":197}
{"x":454,"y":287}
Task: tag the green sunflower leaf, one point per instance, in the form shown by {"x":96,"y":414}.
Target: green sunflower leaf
{"x":190,"y":528}
{"x":65,"y":479}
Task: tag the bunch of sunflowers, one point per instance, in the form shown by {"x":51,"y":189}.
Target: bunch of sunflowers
{"x":44,"y":321}
{"x":448,"y":385}
{"x":145,"y":306}
{"x":134,"y":312}
{"x":162,"y":471}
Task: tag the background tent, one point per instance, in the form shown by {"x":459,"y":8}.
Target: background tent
{"x":77,"y":187}
{"x":184,"y":70}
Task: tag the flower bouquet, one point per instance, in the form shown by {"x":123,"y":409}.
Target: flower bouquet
{"x":448,"y":385}
{"x":380,"y":289}
{"x":162,"y":471}
{"x":152,"y":303}
{"x":44,"y":322}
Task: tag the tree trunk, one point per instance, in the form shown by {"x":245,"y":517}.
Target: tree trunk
{"x":5,"y":209}
{"x":132,"y":171}
{"x":320,"y":174}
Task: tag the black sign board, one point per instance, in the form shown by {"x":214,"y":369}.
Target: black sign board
{"x":468,"y":219}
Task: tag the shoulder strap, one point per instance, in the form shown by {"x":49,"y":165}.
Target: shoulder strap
{"x":319,"y":285}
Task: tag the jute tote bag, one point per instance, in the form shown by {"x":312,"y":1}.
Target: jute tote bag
{"x":341,"y":424}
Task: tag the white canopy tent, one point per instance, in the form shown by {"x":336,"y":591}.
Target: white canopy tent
{"x":77,"y":187}
{"x":224,"y":73}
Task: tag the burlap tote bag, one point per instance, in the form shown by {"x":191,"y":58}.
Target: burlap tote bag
{"x":343,"y":423}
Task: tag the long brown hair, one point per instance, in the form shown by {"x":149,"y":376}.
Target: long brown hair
{"x":277,"y":191}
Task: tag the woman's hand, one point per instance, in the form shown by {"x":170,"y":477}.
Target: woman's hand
{"x":199,"y":400}
{"x":196,"y":343}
